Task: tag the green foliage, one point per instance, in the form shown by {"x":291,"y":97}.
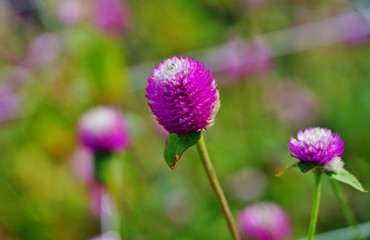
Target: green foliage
{"x":177,"y":144}
{"x":344,"y":176}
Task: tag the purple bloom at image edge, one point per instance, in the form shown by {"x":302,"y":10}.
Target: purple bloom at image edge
{"x":264,"y":221}
{"x":182,"y":94}
{"x":316,"y":145}
{"x":103,"y":129}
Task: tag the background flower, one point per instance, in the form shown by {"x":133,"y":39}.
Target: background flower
{"x":264,"y":221}
{"x":103,"y":129}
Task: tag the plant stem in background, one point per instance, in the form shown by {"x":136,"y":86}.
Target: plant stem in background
{"x":347,"y":212}
{"x":316,"y":203}
{"x":212,"y":177}
{"x":110,"y":221}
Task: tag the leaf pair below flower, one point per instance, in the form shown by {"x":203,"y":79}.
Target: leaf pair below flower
{"x":342,"y":175}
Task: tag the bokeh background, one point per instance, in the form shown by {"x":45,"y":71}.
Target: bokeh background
{"x":280,"y":66}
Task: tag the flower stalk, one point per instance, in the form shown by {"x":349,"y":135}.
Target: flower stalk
{"x":316,"y":204}
{"x":212,"y":177}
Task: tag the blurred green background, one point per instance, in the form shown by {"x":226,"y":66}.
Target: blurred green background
{"x":57,"y":61}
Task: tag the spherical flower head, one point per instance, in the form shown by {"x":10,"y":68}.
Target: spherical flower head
{"x":316,"y":145}
{"x":264,"y":221}
{"x":182,"y":94}
{"x":103,"y":129}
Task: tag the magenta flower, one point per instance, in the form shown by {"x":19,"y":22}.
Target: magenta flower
{"x":316,"y":145}
{"x":103,"y":129}
{"x":264,"y":221}
{"x":110,"y":15}
{"x":182,"y":94}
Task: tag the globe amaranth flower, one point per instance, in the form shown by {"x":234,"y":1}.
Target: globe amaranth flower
{"x":182,"y":94}
{"x":264,"y":221}
{"x":317,"y":145}
{"x":103,"y":129}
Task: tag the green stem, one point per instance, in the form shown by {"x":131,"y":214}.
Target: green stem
{"x":315,"y":207}
{"x":109,"y":221}
{"x":347,"y":212}
{"x":212,"y":177}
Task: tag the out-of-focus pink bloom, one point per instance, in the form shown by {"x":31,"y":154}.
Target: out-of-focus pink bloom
{"x":70,"y":12}
{"x":111,"y":15}
{"x":178,"y":207}
{"x":10,"y":107}
{"x":103,"y":129}
{"x":356,"y":31}
{"x":43,"y":50}
{"x":247,"y":184}
{"x":11,"y":100}
{"x":292,"y":104}
{"x":96,"y":192}
{"x":242,"y":59}
{"x":82,"y":164}
{"x":264,"y":221}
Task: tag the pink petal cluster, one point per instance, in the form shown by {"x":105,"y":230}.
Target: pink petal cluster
{"x":103,"y":129}
{"x":264,"y":221}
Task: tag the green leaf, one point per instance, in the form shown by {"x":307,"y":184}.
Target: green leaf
{"x":306,"y":166}
{"x":177,"y":144}
{"x":344,"y":176}
{"x":286,"y":169}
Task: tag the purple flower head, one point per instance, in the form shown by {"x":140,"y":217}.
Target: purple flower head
{"x":182,"y":94}
{"x":103,"y":129}
{"x":316,"y":145}
{"x":264,"y":221}
{"x":110,"y":15}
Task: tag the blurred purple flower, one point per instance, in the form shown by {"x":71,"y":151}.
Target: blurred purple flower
{"x":70,"y":12}
{"x":356,"y":31}
{"x":111,"y":15}
{"x":10,"y":107}
{"x":178,"y":207}
{"x":264,"y":221}
{"x":11,"y":100}
{"x":242,"y":59}
{"x":43,"y":50}
{"x":82,"y":164}
{"x":96,"y":191}
{"x":103,"y":129}
{"x":182,"y":94}
{"x":247,"y":184}
{"x":292,"y":104}
{"x":317,"y":145}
